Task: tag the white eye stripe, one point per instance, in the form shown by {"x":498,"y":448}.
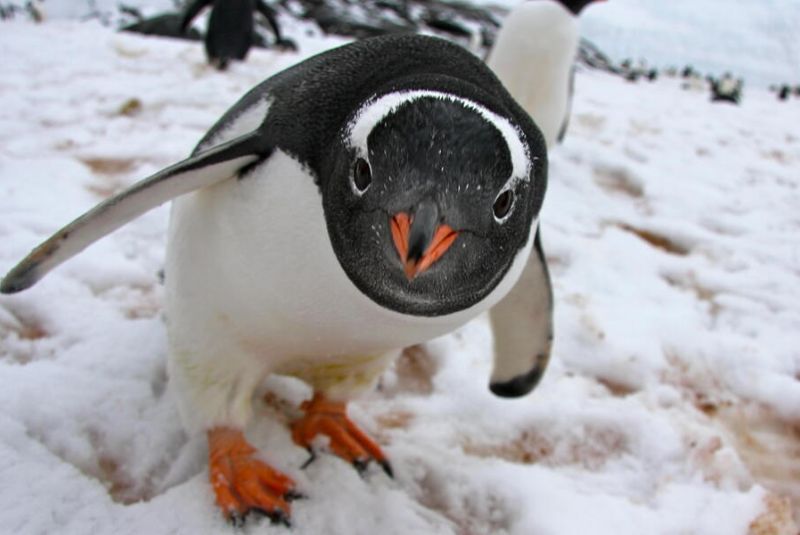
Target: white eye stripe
{"x":373,"y":111}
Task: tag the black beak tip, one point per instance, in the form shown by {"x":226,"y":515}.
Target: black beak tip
{"x":423,"y":226}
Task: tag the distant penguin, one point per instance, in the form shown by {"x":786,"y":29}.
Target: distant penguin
{"x":372,"y":197}
{"x":726,"y":89}
{"x":533,"y":56}
{"x":230,"y":32}
{"x":784,"y":92}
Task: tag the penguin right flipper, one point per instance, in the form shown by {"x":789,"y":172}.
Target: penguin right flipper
{"x":523,"y":329}
{"x":201,"y":170}
{"x":565,"y":124}
{"x":191,"y":12}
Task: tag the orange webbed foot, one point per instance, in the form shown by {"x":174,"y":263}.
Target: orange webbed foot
{"x":329,"y":418}
{"x":242,"y":483}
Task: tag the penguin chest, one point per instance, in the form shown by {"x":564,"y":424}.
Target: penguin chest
{"x":250,"y":263}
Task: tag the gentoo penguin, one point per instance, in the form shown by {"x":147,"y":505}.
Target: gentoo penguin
{"x":533,"y":57}
{"x":726,"y":89}
{"x":230,"y":32}
{"x":337,"y":213}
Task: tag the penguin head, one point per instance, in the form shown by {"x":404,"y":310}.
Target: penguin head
{"x":430,"y":199}
{"x":576,"y":6}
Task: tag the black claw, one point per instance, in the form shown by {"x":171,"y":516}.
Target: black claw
{"x":387,"y":467}
{"x":293,"y":495}
{"x":237,"y":519}
{"x":361,"y":466}
{"x":311,"y":459}
{"x":279,"y":517}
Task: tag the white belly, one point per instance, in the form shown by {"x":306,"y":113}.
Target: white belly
{"x":250,"y":261}
{"x":253,"y":286}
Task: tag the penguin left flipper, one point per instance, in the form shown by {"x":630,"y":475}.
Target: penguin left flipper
{"x":203,"y":169}
{"x":522,"y":323}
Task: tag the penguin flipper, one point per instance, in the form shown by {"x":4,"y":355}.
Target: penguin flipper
{"x":202,"y":169}
{"x":191,"y":12}
{"x":523,"y":329}
{"x":565,"y":123}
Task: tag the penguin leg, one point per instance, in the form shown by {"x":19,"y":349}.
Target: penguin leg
{"x":324,"y":416}
{"x":242,"y":483}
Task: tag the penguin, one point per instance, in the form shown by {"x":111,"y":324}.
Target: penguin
{"x":726,"y":89}
{"x":230,"y":32}
{"x":533,"y":56}
{"x":334,"y":215}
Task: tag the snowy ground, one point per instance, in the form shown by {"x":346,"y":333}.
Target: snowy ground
{"x":672,"y":405}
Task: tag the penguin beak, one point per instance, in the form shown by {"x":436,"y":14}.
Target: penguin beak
{"x":420,"y":239}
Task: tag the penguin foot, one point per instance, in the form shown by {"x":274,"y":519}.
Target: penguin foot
{"x":329,"y":418}
{"x":242,"y":484}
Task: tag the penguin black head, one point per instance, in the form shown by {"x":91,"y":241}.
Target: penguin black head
{"x":576,"y":6}
{"x":430,"y":200}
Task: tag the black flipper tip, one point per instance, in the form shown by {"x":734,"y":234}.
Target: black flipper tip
{"x":519,"y":385}
{"x":15,"y":281}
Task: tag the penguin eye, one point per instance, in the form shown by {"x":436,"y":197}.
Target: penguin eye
{"x":502,"y":205}
{"x":362,"y":175}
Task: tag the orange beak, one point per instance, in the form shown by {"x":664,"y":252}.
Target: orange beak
{"x":443,"y":238}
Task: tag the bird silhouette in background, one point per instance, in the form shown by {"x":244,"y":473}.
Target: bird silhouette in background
{"x":231,"y":28}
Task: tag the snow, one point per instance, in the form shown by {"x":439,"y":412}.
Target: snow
{"x":670,"y":406}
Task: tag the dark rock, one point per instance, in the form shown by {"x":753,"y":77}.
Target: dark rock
{"x":164,"y":25}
